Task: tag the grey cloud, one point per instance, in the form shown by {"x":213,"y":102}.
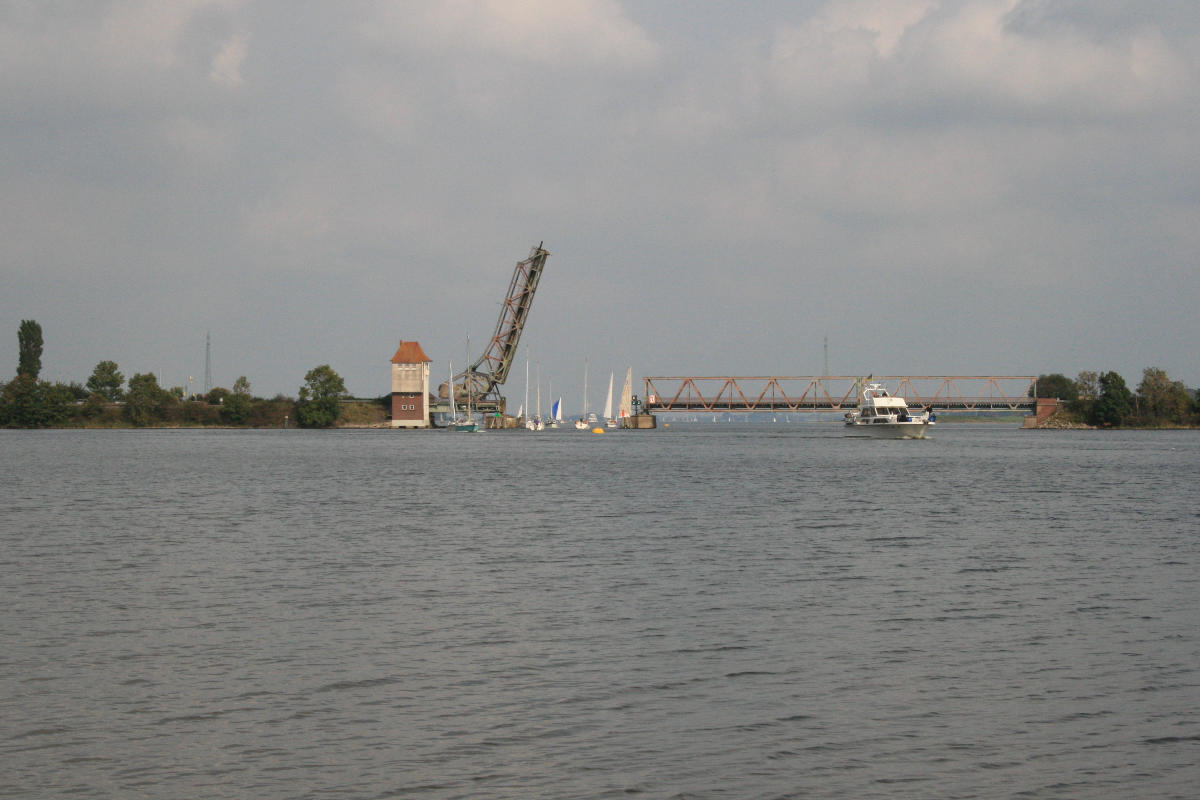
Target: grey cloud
{"x":719,"y":189}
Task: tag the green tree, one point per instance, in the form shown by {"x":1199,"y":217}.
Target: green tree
{"x":1087,"y":383}
{"x":145,"y":399}
{"x":319,"y":402}
{"x":1114,"y":403}
{"x":106,"y":381}
{"x":29,"y":342}
{"x":216,"y":396}
{"x":1162,"y":400}
{"x":1056,"y":385}
{"x":93,"y":407}
{"x":26,"y":402}
{"x":236,"y":409}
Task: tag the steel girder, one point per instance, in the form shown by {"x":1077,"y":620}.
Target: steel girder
{"x":837,"y":392}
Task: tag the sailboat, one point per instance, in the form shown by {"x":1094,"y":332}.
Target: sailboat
{"x":466,"y":423}
{"x":626,"y":409}
{"x":581,"y":424}
{"x":452,"y":418}
{"x":551,"y":422}
{"x":536,"y":423}
{"x":608,"y":417}
{"x":526,"y":421}
{"x":556,"y":412}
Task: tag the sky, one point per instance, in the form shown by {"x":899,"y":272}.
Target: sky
{"x":933,"y":187}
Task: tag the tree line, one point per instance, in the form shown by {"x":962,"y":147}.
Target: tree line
{"x":107,"y":400}
{"x":1104,"y":399}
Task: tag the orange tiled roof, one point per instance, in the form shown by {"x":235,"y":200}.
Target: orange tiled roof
{"x":410,"y":353}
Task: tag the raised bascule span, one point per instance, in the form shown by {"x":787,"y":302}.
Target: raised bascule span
{"x":837,"y":392}
{"x":489,"y":371}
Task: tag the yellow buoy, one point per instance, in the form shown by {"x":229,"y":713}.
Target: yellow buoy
{"x":597,"y":430}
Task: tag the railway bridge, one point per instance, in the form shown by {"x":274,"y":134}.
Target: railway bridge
{"x":838,"y":392}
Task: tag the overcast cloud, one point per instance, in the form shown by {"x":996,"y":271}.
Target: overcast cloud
{"x":940,"y":187}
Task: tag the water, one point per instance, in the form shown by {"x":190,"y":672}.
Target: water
{"x":741,"y":611}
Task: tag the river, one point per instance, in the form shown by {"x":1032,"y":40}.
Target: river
{"x":702,"y":611}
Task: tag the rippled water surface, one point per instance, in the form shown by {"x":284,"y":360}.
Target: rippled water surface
{"x":724,"y":611}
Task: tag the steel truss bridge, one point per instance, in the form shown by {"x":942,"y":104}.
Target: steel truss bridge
{"x":837,"y":392}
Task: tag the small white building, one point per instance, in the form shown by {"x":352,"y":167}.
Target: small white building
{"x":410,"y":386}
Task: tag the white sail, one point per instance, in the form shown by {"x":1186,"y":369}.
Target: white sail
{"x":627,"y":395}
{"x":608,"y":399}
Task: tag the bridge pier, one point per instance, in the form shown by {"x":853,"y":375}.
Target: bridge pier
{"x":1046,"y":406}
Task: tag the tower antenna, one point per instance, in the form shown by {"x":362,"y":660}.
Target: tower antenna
{"x":207,"y":363}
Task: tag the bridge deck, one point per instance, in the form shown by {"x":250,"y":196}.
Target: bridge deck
{"x":837,"y":392}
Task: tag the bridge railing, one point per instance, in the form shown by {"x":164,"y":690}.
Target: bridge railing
{"x":836,"y":392}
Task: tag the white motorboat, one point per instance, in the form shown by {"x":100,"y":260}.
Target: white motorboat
{"x":881,"y":415}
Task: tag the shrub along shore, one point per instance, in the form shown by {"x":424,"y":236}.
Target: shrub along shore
{"x":107,"y":401}
{"x":1103,"y":400}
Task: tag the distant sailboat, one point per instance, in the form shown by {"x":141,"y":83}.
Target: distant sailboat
{"x":452,"y":419}
{"x":467,"y":423}
{"x":581,"y":424}
{"x":626,"y":409}
{"x":532,"y":423}
{"x":608,"y":417}
{"x":551,"y":422}
{"x":536,"y":423}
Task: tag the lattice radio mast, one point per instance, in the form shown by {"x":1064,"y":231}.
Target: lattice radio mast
{"x":207,"y":363}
